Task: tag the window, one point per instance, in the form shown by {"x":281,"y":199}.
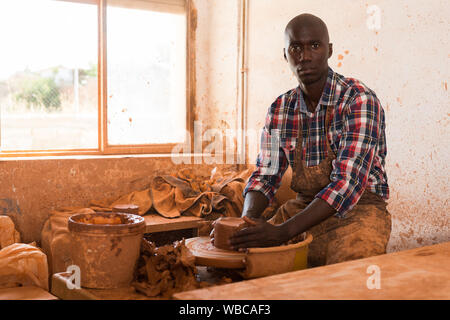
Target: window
{"x":146,"y":76}
{"x":92,"y":76}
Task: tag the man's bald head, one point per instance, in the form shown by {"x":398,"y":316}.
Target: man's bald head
{"x":308,"y":21}
{"x":307,"y":48}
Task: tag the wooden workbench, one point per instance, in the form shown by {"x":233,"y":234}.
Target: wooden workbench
{"x":163,"y":231}
{"x":157,"y":223}
{"x":421,"y":273}
{"x":26,"y":293}
{"x":60,"y":288}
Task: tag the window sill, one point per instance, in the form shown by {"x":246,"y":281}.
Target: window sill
{"x":177,"y":158}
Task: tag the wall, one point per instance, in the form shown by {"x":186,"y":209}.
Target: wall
{"x":406,"y":63}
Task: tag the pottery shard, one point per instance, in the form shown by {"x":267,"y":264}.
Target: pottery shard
{"x":224,"y":228}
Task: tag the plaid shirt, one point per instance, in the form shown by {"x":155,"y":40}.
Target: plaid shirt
{"x":356,"y":136}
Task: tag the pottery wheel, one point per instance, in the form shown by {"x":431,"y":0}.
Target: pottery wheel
{"x":207,"y":255}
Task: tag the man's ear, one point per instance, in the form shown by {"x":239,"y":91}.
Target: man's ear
{"x":284,"y":54}
{"x":330,"y":50}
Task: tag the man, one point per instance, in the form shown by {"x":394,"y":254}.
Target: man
{"x":331,"y":130}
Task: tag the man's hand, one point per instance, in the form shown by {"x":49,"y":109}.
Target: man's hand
{"x":259,"y":234}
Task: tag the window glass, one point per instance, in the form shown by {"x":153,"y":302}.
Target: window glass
{"x":48,"y":75}
{"x":146,"y":76}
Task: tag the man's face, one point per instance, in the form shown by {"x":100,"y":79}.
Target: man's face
{"x":307,"y":51}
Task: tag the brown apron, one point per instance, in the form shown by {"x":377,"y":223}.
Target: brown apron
{"x":362,"y":232}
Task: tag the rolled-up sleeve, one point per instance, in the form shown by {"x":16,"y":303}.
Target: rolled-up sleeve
{"x":271,"y":162}
{"x":357,"y":149}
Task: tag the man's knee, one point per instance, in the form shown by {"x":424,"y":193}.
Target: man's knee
{"x":356,"y":246}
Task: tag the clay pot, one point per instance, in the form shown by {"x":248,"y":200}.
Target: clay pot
{"x":106,"y":248}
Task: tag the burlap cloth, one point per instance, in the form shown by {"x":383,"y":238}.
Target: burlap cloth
{"x":8,"y":232}
{"x":23,"y":265}
{"x":20,"y":264}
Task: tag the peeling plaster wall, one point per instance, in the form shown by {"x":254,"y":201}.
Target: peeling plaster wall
{"x":406,"y":62}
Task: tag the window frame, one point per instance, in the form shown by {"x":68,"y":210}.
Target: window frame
{"x":103,"y":147}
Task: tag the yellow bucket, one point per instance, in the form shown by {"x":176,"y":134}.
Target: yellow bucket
{"x":262,"y":262}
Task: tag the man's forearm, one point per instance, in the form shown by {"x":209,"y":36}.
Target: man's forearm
{"x":317,"y":211}
{"x":255,"y":203}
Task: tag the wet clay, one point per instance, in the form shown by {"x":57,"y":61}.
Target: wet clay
{"x":105,"y":221}
{"x":101,"y":220}
{"x":163,"y":271}
{"x":166,"y":270}
{"x":224,"y":228}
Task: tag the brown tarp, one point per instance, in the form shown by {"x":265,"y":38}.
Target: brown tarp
{"x":23,"y":265}
{"x":8,"y":232}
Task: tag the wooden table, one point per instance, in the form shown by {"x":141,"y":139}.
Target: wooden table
{"x":61,"y":283}
{"x":421,"y":273}
{"x":157,"y":223}
{"x":163,"y":231}
{"x":60,"y":288}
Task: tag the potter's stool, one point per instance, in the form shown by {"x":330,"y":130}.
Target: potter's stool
{"x":163,"y":231}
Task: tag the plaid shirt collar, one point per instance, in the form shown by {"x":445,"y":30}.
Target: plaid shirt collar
{"x":329,"y":96}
